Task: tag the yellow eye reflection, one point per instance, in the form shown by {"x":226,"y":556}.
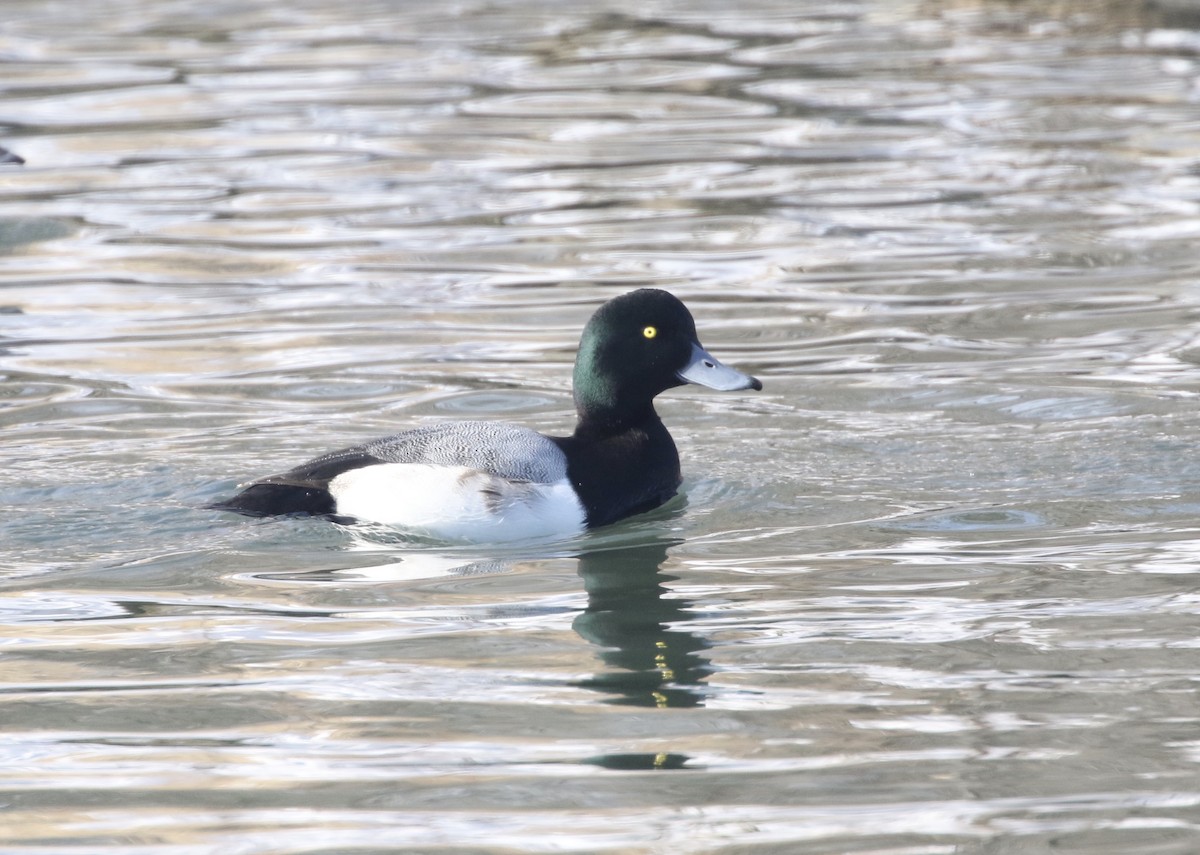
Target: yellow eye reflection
{"x":650,"y":332}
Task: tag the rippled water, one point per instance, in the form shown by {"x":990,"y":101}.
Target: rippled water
{"x":934,"y":590}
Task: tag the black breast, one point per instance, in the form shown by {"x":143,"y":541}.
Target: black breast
{"x":621,"y":474}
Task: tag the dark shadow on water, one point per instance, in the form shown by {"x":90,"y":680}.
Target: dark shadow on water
{"x":639,"y":762}
{"x":638,"y":623}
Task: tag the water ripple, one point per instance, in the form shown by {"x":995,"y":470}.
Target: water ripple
{"x":927,"y":591}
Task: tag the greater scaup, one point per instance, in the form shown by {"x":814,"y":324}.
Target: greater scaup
{"x":489,"y":481}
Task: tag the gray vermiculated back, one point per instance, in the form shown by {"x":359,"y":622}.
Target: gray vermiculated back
{"x":508,"y":451}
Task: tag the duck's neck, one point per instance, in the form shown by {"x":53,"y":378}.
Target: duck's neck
{"x":597,"y":424}
{"x":608,"y":406}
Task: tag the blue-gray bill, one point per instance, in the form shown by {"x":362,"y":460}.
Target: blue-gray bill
{"x":704,"y":369}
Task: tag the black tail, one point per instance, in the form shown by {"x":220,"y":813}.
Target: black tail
{"x":265,"y":499}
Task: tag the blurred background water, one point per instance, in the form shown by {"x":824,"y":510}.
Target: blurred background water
{"x":934,"y":590}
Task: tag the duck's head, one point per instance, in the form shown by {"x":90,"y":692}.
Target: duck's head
{"x":640,"y":344}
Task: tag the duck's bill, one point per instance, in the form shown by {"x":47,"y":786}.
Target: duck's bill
{"x":704,"y":369}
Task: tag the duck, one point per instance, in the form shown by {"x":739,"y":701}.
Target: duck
{"x":489,"y":481}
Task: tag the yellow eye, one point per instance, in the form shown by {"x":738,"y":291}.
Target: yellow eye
{"x":650,"y":332}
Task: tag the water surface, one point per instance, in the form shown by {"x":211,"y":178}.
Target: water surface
{"x":932,"y":591}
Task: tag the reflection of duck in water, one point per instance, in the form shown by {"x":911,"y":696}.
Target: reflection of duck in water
{"x":489,"y":481}
{"x":655,"y":662}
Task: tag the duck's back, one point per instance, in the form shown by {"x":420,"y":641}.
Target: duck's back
{"x":506,"y":451}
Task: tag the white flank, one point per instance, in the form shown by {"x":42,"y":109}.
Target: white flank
{"x":457,"y":503}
